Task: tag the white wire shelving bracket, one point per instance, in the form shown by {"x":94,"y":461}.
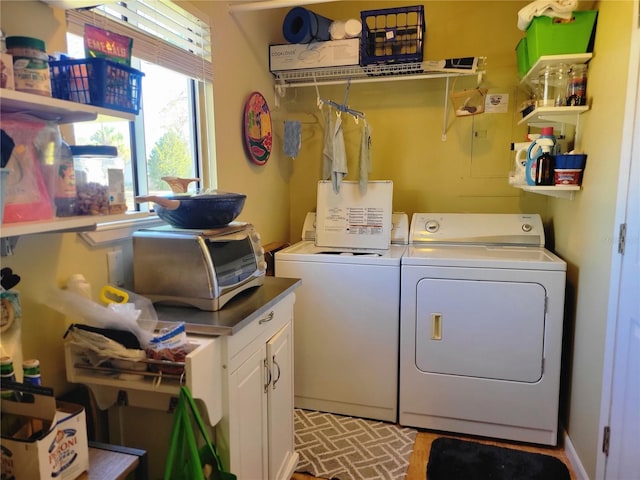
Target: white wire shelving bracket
{"x":367,"y":74}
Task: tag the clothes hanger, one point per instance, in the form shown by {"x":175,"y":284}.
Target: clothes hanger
{"x":340,"y":107}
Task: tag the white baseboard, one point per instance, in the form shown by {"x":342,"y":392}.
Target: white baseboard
{"x":573,"y":458}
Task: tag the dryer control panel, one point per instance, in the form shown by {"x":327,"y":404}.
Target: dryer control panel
{"x":477,"y":228}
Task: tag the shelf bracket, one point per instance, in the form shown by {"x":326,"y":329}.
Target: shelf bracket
{"x":281,"y":89}
{"x":446,"y":111}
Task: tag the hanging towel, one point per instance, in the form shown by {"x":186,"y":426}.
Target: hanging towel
{"x":550,"y":8}
{"x":339,"y":165}
{"x":327,"y":151}
{"x":292,"y":137}
{"x":365,"y":157}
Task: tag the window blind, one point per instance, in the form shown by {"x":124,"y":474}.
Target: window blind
{"x":162,"y":32}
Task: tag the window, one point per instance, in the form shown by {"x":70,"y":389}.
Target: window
{"x":164,"y":139}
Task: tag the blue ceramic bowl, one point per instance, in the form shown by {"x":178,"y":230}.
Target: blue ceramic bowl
{"x":571,"y":161}
{"x":203,"y":211}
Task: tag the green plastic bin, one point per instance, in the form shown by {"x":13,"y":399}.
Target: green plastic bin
{"x":523,"y":57}
{"x":554,"y":36}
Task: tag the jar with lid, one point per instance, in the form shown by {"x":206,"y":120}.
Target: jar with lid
{"x":31,"y":371}
{"x":577,"y":85}
{"x":100,"y":179}
{"x":30,"y":65}
{"x":8,"y":374}
{"x":552,"y":86}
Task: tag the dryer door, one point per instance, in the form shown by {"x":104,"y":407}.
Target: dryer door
{"x":480,"y":328}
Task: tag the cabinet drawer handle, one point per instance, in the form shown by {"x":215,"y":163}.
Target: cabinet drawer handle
{"x":278,"y":377}
{"x":268,"y":318}
{"x":268,"y":371}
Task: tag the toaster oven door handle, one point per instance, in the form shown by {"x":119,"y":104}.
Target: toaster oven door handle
{"x":266,"y":319}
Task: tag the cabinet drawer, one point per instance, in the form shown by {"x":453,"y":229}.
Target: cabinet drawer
{"x":258,"y":331}
{"x":202,"y":374}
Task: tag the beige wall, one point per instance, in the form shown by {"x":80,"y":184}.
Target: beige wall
{"x":461,"y":174}
{"x":584,"y":227}
{"x":241,"y":66}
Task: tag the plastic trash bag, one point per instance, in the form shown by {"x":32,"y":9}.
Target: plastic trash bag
{"x":98,"y":349}
{"x":140,"y":319}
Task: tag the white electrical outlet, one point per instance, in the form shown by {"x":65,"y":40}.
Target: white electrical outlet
{"x":116,"y":268}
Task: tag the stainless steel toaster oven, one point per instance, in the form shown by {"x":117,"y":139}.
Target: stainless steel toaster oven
{"x":200,"y":268}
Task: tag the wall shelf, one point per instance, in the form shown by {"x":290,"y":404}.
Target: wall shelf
{"x":365,"y":74}
{"x":54,"y":109}
{"x":255,"y":5}
{"x":531,"y":76}
{"x":314,"y":77}
{"x":558,"y":191}
{"x":66,"y":224}
{"x":58,"y":111}
{"x":544,"y":115}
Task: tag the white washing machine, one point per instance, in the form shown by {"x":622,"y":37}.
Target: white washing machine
{"x":346,"y":329}
{"x":481,"y":327}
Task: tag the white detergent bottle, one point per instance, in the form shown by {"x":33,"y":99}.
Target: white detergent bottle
{"x":517,"y":176}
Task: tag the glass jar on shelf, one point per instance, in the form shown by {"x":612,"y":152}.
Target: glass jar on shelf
{"x":552,"y":86}
{"x":577,"y":85}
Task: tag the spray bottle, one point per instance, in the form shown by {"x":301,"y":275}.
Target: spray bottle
{"x":545,"y":163}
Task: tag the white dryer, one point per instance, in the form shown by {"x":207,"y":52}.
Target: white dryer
{"x":482,"y":305}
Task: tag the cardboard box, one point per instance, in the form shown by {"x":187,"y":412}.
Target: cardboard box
{"x":117,"y":200}
{"x":42,"y":438}
{"x":334,"y":53}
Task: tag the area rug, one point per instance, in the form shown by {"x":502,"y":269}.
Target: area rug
{"x":348,"y":448}
{"x":452,"y":458}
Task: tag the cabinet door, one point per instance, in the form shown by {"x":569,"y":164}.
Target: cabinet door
{"x":248,"y":418}
{"x":280,"y":403}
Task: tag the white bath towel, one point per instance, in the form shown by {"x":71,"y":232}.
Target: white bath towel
{"x":327,"y":149}
{"x":339,"y":165}
{"x":550,"y":8}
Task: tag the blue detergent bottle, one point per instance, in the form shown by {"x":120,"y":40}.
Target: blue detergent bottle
{"x":535,"y":150}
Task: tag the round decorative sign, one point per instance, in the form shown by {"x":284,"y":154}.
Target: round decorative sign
{"x":257,"y":129}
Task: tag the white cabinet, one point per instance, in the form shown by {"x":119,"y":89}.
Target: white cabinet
{"x":255,"y":436}
{"x":280,"y":403}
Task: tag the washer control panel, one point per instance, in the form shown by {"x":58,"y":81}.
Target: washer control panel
{"x":477,"y":228}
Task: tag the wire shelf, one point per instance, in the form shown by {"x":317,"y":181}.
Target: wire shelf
{"x":368,"y":73}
